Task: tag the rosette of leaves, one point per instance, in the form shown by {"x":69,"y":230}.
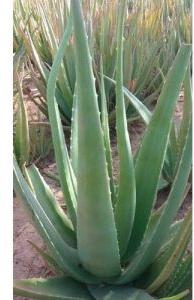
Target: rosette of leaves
{"x":111,"y":244}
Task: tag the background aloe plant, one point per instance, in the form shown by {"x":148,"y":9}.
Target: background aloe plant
{"x":111,"y":236}
{"x":31,"y":141}
{"x":153,"y":33}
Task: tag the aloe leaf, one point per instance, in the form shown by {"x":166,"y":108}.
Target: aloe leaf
{"x":171,"y":156}
{"x":171,"y":232}
{"x":126,"y":199}
{"x":32,"y":50}
{"x":60,"y":97}
{"x":61,"y":154}
{"x":47,"y":258}
{"x":115,"y":293}
{"x":148,"y":250}
{"x":180,"y":296}
{"x":151,"y":155}
{"x":65,"y":256}
{"x":185,"y":279}
{"x":180,"y":279}
{"x":174,"y":147}
{"x":141,"y":109}
{"x":105,"y":128}
{"x":187,"y":111}
{"x":161,"y":268}
{"x":74,"y":134}
{"x":62,"y":82}
{"x":63,"y":288}
{"x":48,"y":202}
{"x":96,"y":231}
{"x":21,"y":142}
{"x":157,"y":214}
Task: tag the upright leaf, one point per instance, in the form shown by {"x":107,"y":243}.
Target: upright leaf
{"x":96,"y":231}
{"x":151,"y":155}
{"x":21,"y":141}
{"x":64,"y":167}
{"x":149,"y":248}
{"x":105,"y":128}
{"x":74,"y":134}
{"x":125,"y":206}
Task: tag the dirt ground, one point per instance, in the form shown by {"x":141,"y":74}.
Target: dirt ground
{"x":27,"y":263}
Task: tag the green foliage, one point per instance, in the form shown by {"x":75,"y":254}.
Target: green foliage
{"x":21,"y":137}
{"x":108,"y":240}
{"x":153,"y":32}
{"x":31,"y":141}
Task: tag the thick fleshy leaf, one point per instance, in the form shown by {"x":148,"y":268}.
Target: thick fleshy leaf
{"x":162,"y":267}
{"x":63,"y":288}
{"x":126,"y":199}
{"x":156,"y":216}
{"x":149,"y":248}
{"x":52,"y":264}
{"x":118,"y":293}
{"x":151,"y":155}
{"x":180,"y":279}
{"x":74,"y":134}
{"x":65,"y":256}
{"x":171,"y":232}
{"x":105,"y":128}
{"x":96,"y":231}
{"x":53,"y":210}
{"x":64,"y":167}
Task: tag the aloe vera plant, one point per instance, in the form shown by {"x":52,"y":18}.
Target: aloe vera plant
{"x":29,"y":141}
{"x":111,"y":244}
{"x":152,"y":35}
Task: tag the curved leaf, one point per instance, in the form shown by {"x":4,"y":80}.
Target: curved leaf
{"x":64,"y":167}
{"x":47,"y":258}
{"x":63,"y":288}
{"x":53,"y":210}
{"x":65,"y":256}
{"x":149,"y":248}
{"x":180,"y":279}
{"x":141,"y":109}
{"x":162,"y":267}
{"x":151,"y":155}
{"x":180,"y":296}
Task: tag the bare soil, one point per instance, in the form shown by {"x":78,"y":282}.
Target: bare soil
{"x":27,"y":262}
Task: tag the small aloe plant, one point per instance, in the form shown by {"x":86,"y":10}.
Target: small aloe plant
{"x":111,"y":244}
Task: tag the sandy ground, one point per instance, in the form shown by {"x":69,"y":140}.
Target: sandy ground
{"x":27,"y":263}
